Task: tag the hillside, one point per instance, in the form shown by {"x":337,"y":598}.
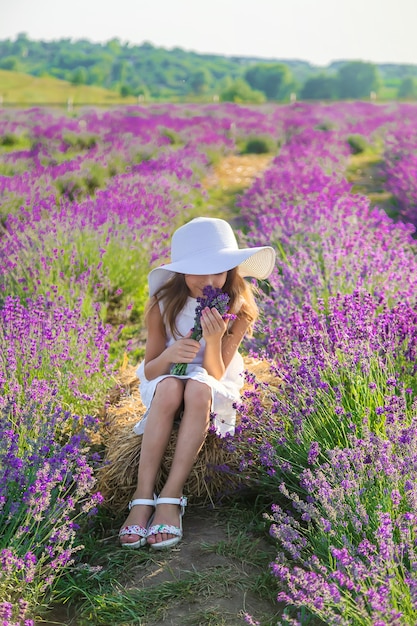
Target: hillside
{"x":22,"y":89}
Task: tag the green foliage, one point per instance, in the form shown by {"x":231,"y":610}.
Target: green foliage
{"x":357,"y":79}
{"x":170,"y":134}
{"x":79,"y":76}
{"x":78,"y":185}
{"x":200,"y":80}
{"x":80,"y":141}
{"x":239,"y":91}
{"x":125,"y":91}
{"x":327,"y":125}
{"x":358,"y":144}
{"x":274,"y":80}
{"x":9,"y":140}
{"x":259,"y":145}
{"x":114,"y":65}
{"x":321,"y":87}
{"x":10,"y":63}
{"x":408,"y":88}
{"x":151,"y":72}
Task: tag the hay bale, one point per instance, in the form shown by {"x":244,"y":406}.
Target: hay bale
{"x":118,"y":475}
{"x":117,"y":478}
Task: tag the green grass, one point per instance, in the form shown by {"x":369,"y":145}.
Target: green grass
{"x":23,"y":89}
{"x":119,"y":607}
{"x":103,"y":587}
{"x":388,"y":92}
{"x":365,"y":173}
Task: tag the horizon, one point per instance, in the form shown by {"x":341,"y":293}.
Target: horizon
{"x":191,"y":51}
{"x":319,"y":33}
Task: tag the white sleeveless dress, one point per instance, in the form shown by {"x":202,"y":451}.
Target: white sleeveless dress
{"x":224,"y":392}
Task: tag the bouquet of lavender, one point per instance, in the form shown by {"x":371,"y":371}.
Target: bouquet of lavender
{"x":212,"y":298}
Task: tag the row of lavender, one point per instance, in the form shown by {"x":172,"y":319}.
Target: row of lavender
{"x":400,"y":166}
{"x":87,"y":202}
{"x":339,"y":441}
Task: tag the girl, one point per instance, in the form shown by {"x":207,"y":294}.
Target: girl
{"x":204,"y":252}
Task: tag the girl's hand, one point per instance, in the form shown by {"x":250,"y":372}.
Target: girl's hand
{"x":183,"y":350}
{"x":213,"y":325}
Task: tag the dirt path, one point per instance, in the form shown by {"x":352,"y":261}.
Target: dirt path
{"x":223,"y":585}
{"x":222,"y":579}
{"x":237,"y":171}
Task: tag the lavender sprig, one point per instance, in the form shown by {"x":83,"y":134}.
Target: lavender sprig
{"x":212,"y":298}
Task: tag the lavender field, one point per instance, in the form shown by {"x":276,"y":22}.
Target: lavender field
{"x":88,"y":203}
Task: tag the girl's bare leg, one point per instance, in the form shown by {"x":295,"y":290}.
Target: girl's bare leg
{"x":167,"y":399}
{"x":191,"y":436}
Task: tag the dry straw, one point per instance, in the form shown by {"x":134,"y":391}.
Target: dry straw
{"x":117,"y":477}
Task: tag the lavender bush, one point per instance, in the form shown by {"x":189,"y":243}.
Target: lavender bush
{"x":400,"y":167}
{"x":348,"y":554}
{"x":47,"y":491}
{"x":52,"y":358}
{"x":52,"y":354}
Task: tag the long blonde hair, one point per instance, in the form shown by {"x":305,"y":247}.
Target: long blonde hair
{"x":174,"y":293}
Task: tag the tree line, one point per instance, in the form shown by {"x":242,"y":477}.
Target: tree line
{"x":151,"y":72}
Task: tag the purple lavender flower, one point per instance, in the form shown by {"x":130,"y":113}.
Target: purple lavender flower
{"x":212,"y":298}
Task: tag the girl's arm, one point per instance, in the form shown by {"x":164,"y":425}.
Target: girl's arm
{"x":220,"y":347}
{"x":158,"y":357}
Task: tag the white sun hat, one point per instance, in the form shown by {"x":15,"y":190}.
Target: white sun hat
{"x":208,"y":245}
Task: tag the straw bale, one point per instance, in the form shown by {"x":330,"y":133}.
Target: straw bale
{"x":117,"y":477}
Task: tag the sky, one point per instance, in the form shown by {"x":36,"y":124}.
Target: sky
{"x":317,"y":31}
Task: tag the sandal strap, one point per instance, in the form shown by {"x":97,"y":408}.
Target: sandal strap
{"x":182,"y":502}
{"x":165,"y":528}
{"x":133,"y":530}
{"x":144,"y":501}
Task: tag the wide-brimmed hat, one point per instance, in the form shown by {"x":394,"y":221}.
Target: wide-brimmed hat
{"x":207,"y":245}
